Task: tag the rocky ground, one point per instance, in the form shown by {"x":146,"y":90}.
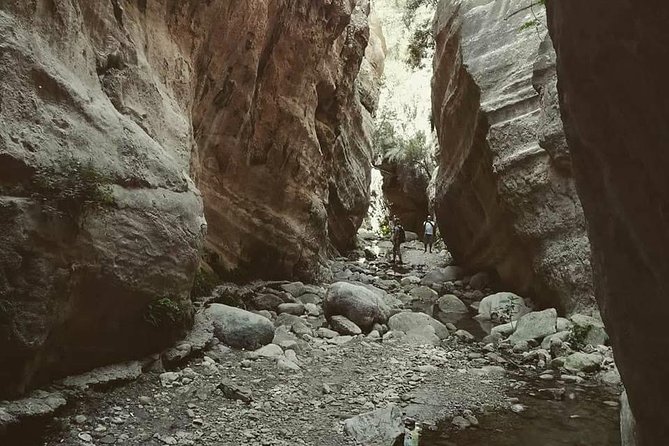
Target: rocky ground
{"x":309,"y":384}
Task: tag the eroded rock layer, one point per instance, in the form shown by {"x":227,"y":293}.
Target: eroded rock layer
{"x":613,"y":72}
{"x":108,"y":110}
{"x":505,"y":197}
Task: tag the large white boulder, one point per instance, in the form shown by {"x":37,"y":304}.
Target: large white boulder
{"x":407,"y":322}
{"x":535,"y":325}
{"x":240,"y":328}
{"x":491,"y":307}
{"x":363,"y":305}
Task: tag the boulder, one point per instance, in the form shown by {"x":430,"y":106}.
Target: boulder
{"x":535,"y":325}
{"x":408,"y":321}
{"x":423,"y":293}
{"x":562,"y":336}
{"x":451,"y":309}
{"x":295,"y":289}
{"x":296,"y":309}
{"x":583,"y":362}
{"x":343,"y":325}
{"x":271,"y":351}
{"x":596,"y":334}
{"x":361,"y":304}
{"x":425,"y":335}
{"x":505,"y":329}
{"x":240,"y":328}
{"x":380,"y":427}
{"x":492,"y":306}
{"x":479,"y":281}
{"x":266,"y":301}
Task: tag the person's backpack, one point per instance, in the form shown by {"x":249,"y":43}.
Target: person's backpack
{"x":401,"y":235}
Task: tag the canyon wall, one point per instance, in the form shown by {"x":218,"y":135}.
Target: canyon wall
{"x":612,"y":73}
{"x":124,"y":124}
{"x":505,"y":196}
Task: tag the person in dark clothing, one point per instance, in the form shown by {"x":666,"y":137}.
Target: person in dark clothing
{"x":398,"y":237}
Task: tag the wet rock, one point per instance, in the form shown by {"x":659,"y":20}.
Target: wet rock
{"x":344,"y":326}
{"x":451,"y":309}
{"x":360,"y":304}
{"x":491,"y":307}
{"x":377,"y":428}
{"x":240,"y":328}
{"x":408,"y":321}
{"x":583,"y":362}
{"x":535,"y":325}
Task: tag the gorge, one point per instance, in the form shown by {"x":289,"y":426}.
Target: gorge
{"x":163,"y":161}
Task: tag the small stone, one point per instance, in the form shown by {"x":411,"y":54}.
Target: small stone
{"x":83,"y":436}
{"x":80,"y":419}
{"x":518,"y":408}
{"x":461,"y":422}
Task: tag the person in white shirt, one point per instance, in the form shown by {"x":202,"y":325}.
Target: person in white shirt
{"x":428,"y":233}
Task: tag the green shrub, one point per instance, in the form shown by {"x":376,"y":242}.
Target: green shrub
{"x":72,"y":188}
{"x":164,"y":313}
{"x":577,"y":336}
{"x":204,"y":283}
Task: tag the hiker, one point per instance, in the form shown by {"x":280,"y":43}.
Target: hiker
{"x":411,"y":432}
{"x":398,"y":237}
{"x":428,"y":233}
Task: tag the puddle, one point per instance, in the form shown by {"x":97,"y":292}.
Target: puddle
{"x":584,"y":420}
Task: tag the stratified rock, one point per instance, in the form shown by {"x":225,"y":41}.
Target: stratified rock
{"x":38,"y":404}
{"x":535,"y":325}
{"x":105,"y":375}
{"x":377,"y":428}
{"x":344,"y":326}
{"x":240,"y":328}
{"x":360,"y":304}
{"x":266,"y":109}
{"x":451,"y":309}
{"x":408,"y":321}
{"x":615,"y":114}
{"x":498,"y":304}
{"x":504,"y":195}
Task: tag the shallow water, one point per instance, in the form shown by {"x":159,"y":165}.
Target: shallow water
{"x":582,"y":421}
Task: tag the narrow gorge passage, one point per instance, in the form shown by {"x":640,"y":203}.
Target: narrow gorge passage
{"x":202,"y":203}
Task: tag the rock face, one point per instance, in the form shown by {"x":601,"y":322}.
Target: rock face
{"x":615,"y":113}
{"x":284,"y":158}
{"x":113,"y":112}
{"x":505,"y":196}
{"x":405,"y":189}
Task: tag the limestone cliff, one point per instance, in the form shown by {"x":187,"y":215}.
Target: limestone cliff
{"x":115,"y":115}
{"x":612,"y":75}
{"x":505,"y":196}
